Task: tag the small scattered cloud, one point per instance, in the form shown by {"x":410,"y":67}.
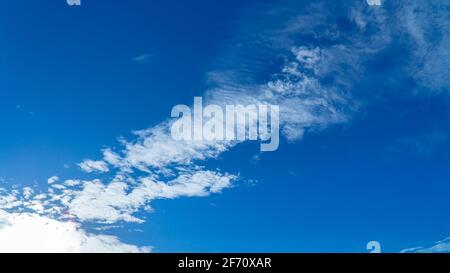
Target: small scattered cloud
{"x":251,"y":182}
{"x":90,"y":166}
{"x":255,"y":159}
{"x":144,"y":58}
{"x":21,"y":109}
{"x":72,"y":183}
{"x":52,"y":179}
{"x":27,"y":192}
{"x":374,"y":2}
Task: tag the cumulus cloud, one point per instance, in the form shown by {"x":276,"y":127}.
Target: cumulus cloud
{"x":71,"y":182}
{"x":52,"y":179}
{"x":27,"y":192}
{"x":90,"y":166}
{"x":31,"y":233}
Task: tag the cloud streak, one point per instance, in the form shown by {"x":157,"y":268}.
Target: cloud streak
{"x":144,"y":58}
{"x":439,"y":247}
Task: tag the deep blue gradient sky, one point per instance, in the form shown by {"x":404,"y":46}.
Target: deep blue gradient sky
{"x":70,"y":85}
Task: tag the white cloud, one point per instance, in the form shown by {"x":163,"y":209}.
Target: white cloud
{"x":9,"y":201}
{"x":155,"y":148}
{"x":308,"y":57}
{"x":439,"y":247}
{"x":90,"y":166}
{"x":112,"y":158}
{"x":374,"y":2}
{"x":71,"y":182}
{"x":27,"y":192}
{"x":116,"y":201}
{"x":32,"y":233}
{"x":52,"y":179}
{"x":58,"y":186}
{"x":304,"y":102}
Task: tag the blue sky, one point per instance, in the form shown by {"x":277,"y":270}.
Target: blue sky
{"x":365,"y":144}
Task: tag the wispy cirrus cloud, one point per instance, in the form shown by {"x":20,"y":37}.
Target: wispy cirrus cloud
{"x":438,"y":247}
{"x":143,"y":58}
{"x":423,"y":144}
